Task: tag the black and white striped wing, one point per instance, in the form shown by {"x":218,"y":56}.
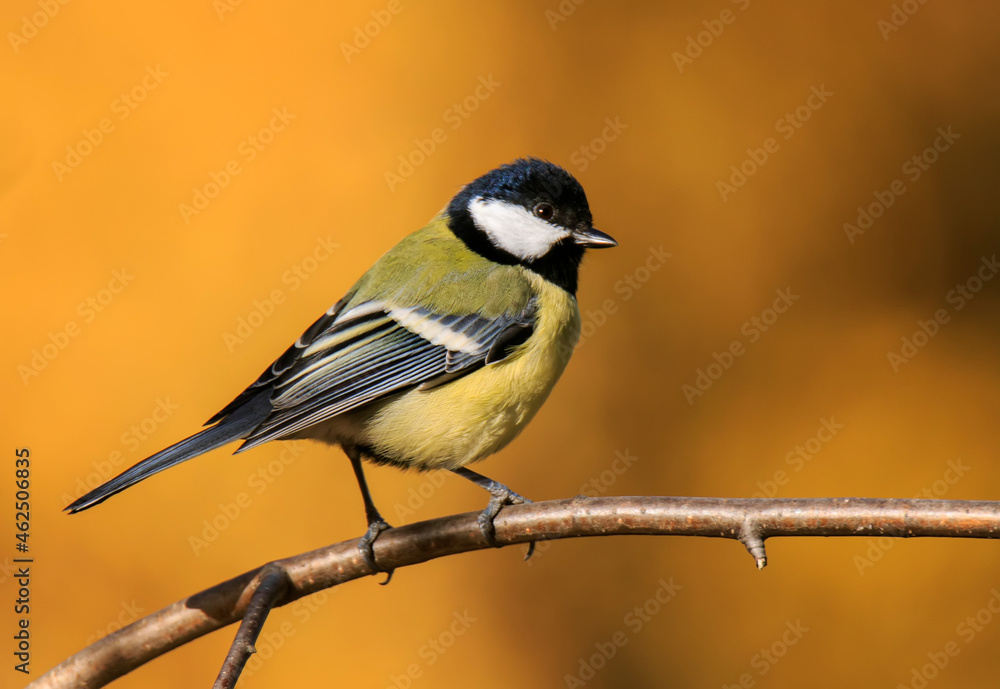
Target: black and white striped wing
{"x":348,"y":359}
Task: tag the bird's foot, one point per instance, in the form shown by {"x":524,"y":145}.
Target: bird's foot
{"x":500,"y":495}
{"x":367,"y":543}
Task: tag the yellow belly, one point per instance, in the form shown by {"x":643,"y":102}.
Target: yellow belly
{"x":474,"y":416}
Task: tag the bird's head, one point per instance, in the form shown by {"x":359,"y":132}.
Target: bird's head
{"x":530,"y":212}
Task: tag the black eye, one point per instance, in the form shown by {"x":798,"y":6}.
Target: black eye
{"x":545,"y":211}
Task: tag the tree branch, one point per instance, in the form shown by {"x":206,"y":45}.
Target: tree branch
{"x":749,"y":521}
{"x":269,"y":586}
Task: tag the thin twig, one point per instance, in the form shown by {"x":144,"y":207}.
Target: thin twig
{"x":271,"y":584}
{"x":750,"y":521}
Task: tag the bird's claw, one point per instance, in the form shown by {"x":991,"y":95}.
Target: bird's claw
{"x":367,"y":550}
{"x":500,"y":495}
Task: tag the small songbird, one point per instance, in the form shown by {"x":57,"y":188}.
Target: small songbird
{"x":439,"y":355}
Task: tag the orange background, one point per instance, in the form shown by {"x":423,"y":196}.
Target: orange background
{"x":161,"y":340}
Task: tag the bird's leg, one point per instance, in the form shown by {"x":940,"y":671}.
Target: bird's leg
{"x":500,"y":495}
{"x":376,"y":524}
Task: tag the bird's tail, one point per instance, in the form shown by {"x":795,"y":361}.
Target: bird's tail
{"x":237,"y":425}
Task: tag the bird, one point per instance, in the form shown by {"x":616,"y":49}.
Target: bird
{"x":438,"y":356}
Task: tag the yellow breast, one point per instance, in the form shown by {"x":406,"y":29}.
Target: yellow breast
{"x":470,"y":418}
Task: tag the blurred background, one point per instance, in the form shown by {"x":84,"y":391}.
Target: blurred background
{"x":802,"y":305}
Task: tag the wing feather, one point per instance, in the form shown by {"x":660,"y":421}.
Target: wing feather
{"x":372,"y":350}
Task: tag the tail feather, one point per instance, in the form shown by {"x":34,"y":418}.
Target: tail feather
{"x":237,"y":425}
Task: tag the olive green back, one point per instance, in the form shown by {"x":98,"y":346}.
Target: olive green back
{"x":434,"y":269}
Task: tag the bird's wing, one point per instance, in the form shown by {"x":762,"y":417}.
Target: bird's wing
{"x":351,"y":357}
{"x":283,"y":362}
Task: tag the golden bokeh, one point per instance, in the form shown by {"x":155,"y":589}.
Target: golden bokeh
{"x":802,"y":305}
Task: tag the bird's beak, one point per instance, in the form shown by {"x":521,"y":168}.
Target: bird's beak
{"x":593,"y":239}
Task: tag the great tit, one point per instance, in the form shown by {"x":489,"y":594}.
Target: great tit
{"x":439,"y":355}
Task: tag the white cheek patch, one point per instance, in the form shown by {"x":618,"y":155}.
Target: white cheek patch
{"x":514,"y":229}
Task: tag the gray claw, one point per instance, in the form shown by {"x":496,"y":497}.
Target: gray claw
{"x":500,"y":495}
{"x":367,"y":549}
